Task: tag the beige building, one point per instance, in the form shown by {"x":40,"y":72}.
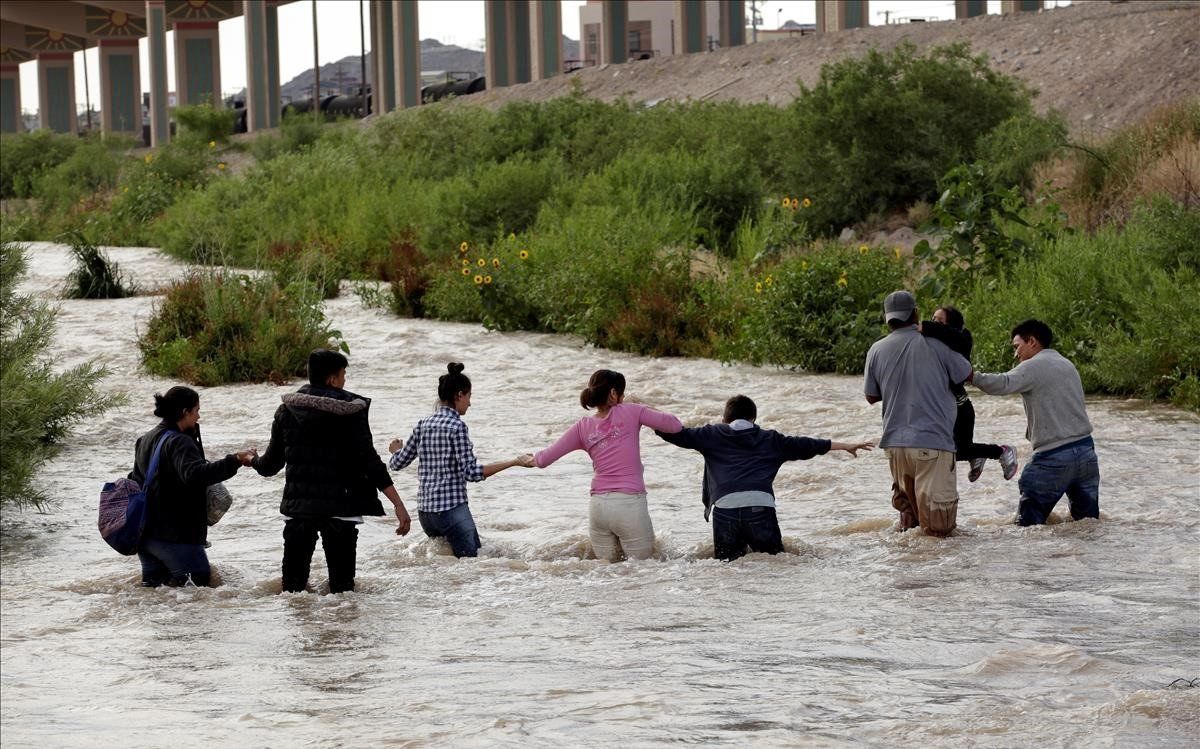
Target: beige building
{"x":651,"y":29}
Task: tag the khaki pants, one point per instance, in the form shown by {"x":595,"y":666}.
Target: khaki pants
{"x":620,"y":522}
{"x":924,"y":489}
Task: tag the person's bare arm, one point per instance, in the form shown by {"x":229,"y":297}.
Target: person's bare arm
{"x":852,"y":447}
{"x":403,"y":521}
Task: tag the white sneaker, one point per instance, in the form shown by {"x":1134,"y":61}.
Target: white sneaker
{"x":977,"y":465}
{"x":1008,"y":461}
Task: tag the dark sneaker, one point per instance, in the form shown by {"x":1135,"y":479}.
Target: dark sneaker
{"x":977,"y":465}
{"x":1008,"y":461}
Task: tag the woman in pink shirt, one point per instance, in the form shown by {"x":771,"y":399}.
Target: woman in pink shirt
{"x":617,"y":512}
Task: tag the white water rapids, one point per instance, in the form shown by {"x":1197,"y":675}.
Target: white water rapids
{"x":1062,"y":635}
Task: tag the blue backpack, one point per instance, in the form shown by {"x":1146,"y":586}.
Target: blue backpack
{"x":123,"y":507}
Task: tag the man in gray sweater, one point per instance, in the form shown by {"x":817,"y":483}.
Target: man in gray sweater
{"x":1064,"y":456}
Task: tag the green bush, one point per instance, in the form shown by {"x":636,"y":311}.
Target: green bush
{"x":876,"y":133}
{"x":25,"y":157}
{"x":205,"y":123}
{"x":40,"y":405}
{"x":77,"y":189}
{"x":215,"y":328}
{"x":297,"y":133}
{"x":95,"y":276}
{"x":818,"y":311}
{"x":1126,"y":320}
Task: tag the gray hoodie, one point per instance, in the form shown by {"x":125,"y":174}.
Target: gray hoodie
{"x":1053,"y":394}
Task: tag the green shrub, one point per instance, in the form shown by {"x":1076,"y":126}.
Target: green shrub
{"x":25,"y":157}
{"x":819,"y":311}
{"x":1125,"y":318}
{"x":95,"y":276}
{"x":297,"y":133}
{"x":306,"y":266}
{"x":876,"y":133}
{"x":78,"y":187}
{"x":215,"y":328}
{"x":40,"y":405}
{"x":205,"y":123}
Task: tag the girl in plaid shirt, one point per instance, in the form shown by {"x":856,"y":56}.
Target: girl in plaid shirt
{"x":447,"y":463}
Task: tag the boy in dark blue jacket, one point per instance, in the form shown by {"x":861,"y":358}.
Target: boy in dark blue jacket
{"x":740,"y":463}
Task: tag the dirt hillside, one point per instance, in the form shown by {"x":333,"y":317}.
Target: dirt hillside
{"x":1102,"y":64}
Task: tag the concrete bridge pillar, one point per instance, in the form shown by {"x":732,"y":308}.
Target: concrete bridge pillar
{"x":156,"y":36}
{"x":274,"y":100}
{"x":970,"y":8}
{"x":691,"y":25}
{"x":383,"y":58}
{"x":507,"y":59}
{"x":262,"y":109}
{"x":120,"y":87}
{"x":406,"y":48}
{"x":732,"y":23}
{"x":1018,"y":6}
{"x":614,"y":32}
{"x":838,"y":15}
{"x":546,"y":38}
{"x":10,"y":98}
{"x":56,"y":91}
{"x":198,"y":63}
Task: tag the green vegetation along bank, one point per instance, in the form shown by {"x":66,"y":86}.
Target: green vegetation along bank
{"x":693,"y":228}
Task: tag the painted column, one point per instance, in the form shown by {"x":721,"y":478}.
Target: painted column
{"x":970,"y":8}
{"x":56,"y":91}
{"x":546,"y":40}
{"x":197,"y":63}
{"x":274,"y":103}
{"x":10,"y":98}
{"x":733,"y":23}
{"x":383,"y":52}
{"x":257,"y":87}
{"x":406,"y":46}
{"x":497,"y":42}
{"x":521,"y":60}
{"x":614,"y":32}
{"x":691,"y":21}
{"x":838,"y":15}
{"x":120,"y":87}
{"x":1018,"y":6}
{"x":156,"y":35}
{"x":507,"y":58}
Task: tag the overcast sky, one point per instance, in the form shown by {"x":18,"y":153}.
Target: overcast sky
{"x":449,"y":21}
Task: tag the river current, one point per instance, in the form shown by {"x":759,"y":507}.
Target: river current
{"x":1063,"y":635}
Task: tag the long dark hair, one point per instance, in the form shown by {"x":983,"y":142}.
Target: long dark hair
{"x":601,"y":383}
{"x":453,"y":382}
{"x":172,"y":405}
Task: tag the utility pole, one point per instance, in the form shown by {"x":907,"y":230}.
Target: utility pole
{"x":316,"y":70}
{"x":362,"y":43}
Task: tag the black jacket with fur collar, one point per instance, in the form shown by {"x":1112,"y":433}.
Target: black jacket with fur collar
{"x":323,"y":437}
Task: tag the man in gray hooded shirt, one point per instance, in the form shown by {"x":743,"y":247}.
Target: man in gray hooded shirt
{"x":1064,"y":455}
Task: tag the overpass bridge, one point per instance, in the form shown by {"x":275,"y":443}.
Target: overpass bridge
{"x":523,"y":43}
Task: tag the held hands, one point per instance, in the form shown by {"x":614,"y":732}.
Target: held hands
{"x":852,"y":447}
{"x":244,"y":457}
{"x":395,"y":446}
{"x":525,"y":461}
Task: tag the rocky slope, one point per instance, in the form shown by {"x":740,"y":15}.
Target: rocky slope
{"x":1102,"y":64}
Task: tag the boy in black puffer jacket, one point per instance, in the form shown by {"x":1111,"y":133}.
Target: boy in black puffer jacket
{"x":740,"y":463}
{"x":321,"y":433}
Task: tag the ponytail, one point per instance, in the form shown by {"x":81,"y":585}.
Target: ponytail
{"x":601,"y":383}
{"x":172,"y":405}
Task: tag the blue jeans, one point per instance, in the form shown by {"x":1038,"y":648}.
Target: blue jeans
{"x":456,"y":525}
{"x":736,"y":529}
{"x":167,"y":563}
{"x":1072,"y":470}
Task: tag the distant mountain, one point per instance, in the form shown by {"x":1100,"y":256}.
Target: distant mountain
{"x":345,"y":74}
